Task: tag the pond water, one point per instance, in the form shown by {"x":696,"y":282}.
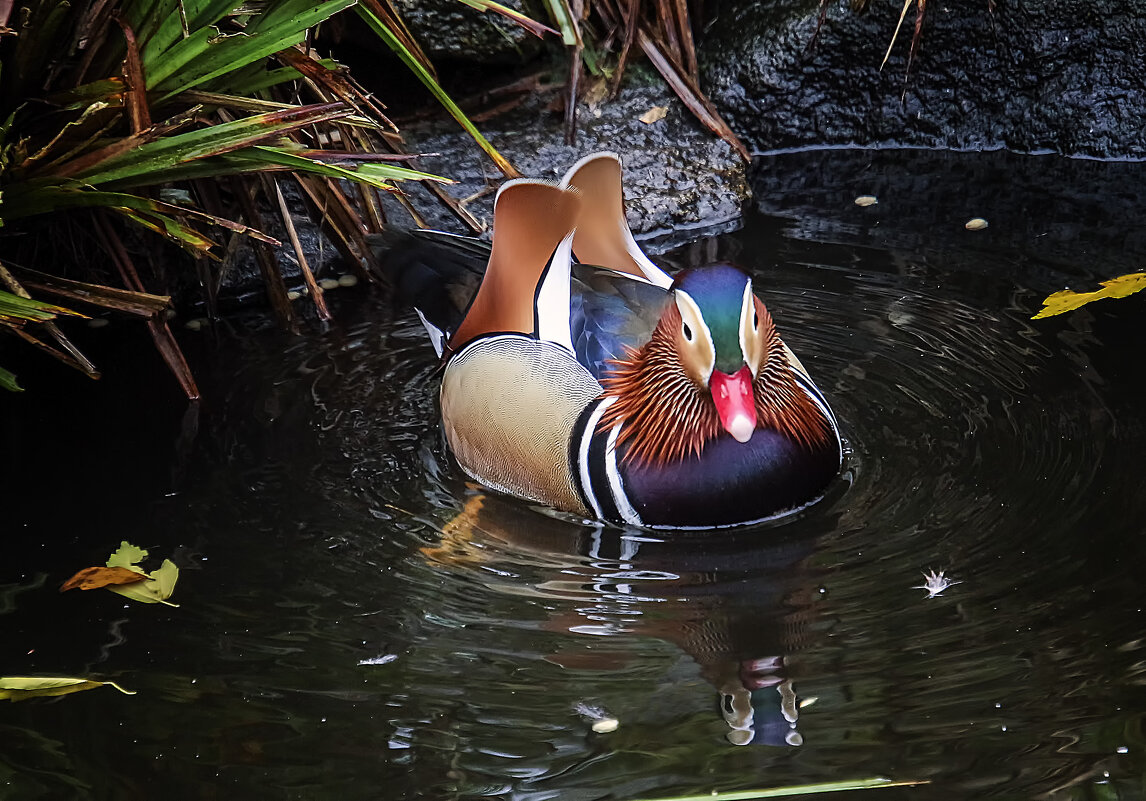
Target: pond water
{"x":356,"y":621}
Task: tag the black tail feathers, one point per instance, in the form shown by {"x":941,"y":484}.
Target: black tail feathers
{"x":436,"y":273}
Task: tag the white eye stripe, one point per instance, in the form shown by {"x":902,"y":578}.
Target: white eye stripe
{"x":701,"y":341}
{"x":749,"y":325}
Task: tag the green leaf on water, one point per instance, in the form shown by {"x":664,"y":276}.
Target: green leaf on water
{"x":8,"y":381}
{"x":128,"y":556}
{"x":165,"y":578}
{"x":17,"y":688}
{"x":797,"y":789}
{"x":160,"y":584}
{"x":1068,"y":300}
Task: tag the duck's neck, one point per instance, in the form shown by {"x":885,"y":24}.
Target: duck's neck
{"x":664,"y":416}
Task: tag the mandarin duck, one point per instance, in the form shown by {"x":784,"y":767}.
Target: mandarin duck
{"x":578,"y":375}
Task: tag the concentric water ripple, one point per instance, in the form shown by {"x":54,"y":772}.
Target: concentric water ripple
{"x":358,"y":616}
{"x":976,"y":447}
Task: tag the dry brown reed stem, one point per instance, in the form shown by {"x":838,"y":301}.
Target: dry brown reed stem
{"x":89,"y":370}
{"x":689,"y":93}
{"x":687,"y":46}
{"x":630,"y":11}
{"x":140,"y":304}
{"x":73,"y":357}
{"x":668,"y":28}
{"x":573,"y":89}
{"x":665,"y":36}
{"x":160,"y":332}
{"x":244,"y":190}
{"x":138,"y":112}
{"x":339,"y":219}
{"x":307,"y":276}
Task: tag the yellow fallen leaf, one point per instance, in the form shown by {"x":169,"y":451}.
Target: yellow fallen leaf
{"x":17,"y":688}
{"x":655,"y":114}
{"x":127,"y":556}
{"x":165,"y":577}
{"x":1067,"y":300}
{"x":155,"y":591}
{"x":92,"y":578}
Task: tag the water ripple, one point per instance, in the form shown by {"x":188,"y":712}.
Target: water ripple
{"x":367,"y":618}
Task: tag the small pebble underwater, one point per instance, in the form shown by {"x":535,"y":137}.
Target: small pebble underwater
{"x":963,"y":609}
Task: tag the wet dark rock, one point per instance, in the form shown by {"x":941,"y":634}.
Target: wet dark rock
{"x":447,"y":29}
{"x":1062,"y":76}
{"x":678,"y":176}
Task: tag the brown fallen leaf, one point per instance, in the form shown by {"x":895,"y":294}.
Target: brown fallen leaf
{"x":91,"y":578}
{"x":655,"y":114}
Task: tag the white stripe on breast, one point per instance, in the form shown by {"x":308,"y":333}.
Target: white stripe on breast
{"x":626,"y":510}
{"x":583,"y":455}
{"x":813,"y":392}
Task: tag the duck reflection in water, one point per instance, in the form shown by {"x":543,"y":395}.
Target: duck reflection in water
{"x":738,"y":603}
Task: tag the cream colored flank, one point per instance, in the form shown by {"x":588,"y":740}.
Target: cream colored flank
{"x":509,"y":404}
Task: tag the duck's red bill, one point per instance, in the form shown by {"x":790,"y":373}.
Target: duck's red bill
{"x":735,"y":402}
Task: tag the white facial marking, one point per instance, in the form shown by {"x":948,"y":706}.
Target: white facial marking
{"x":749,"y":327}
{"x":700,"y":341}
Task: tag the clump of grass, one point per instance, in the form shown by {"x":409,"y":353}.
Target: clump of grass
{"x":183,"y":118}
{"x":661,"y":29}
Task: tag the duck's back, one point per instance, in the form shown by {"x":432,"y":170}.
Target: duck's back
{"x":439,"y":273}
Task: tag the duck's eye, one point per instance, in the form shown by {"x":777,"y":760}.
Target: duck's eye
{"x":684,"y":329}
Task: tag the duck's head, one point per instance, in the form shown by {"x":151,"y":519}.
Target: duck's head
{"x":715,"y":363}
{"x":723,"y":337}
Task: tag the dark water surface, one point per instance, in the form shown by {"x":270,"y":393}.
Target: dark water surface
{"x":358,"y":622}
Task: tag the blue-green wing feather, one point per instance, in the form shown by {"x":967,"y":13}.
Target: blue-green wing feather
{"x":609,"y":313}
{"x":438,"y":274}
